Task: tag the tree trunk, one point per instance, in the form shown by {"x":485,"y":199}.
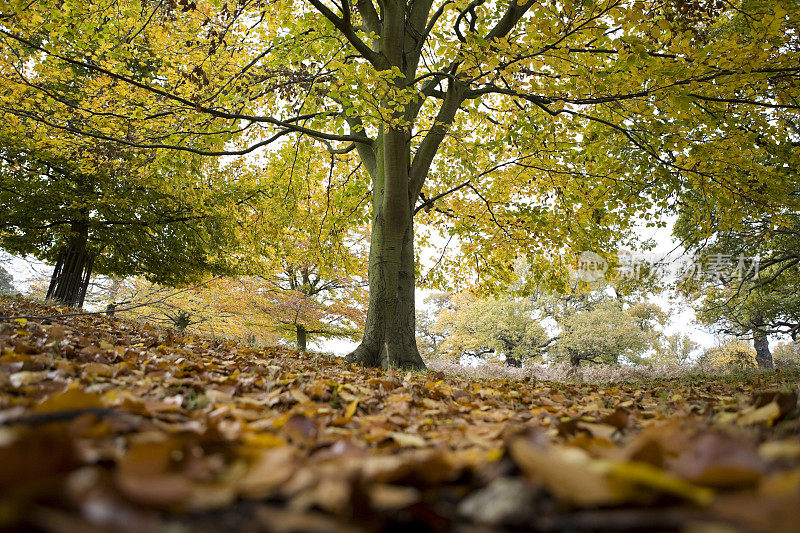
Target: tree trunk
{"x":389,"y":336}
{"x":70,"y":278}
{"x":575,"y":359}
{"x":301,"y":338}
{"x":761,"y":344}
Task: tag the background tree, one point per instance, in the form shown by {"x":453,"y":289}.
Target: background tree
{"x":429,"y":335}
{"x":304,"y":244}
{"x":607,"y":333}
{"x":254,"y":309}
{"x":490,"y":327}
{"x":516,"y":128}
{"x":95,"y":208}
{"x":786,"y":354}
{"x":299,"y":262}
{"x":729,"y":355}
{"x":675,"y":349}
{"x":299,"y":304}
{"x":750,"y":283}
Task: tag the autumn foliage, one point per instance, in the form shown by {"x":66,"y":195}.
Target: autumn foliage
{"x":114,"y":425}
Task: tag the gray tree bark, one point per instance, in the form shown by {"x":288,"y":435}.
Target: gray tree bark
{"x":302,"y":337}
{"x":389,"y":336}
{"x":761,"y":345}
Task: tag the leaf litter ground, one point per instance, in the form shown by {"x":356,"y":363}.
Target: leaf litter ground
{"x":109,"y":425}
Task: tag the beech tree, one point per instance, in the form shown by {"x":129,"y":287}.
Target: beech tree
{"x":294,"y":305}
{"x":608,"y":332}
{"x":299,"y":304}
{"x":97,"y":209}
{"x":513,"y":127}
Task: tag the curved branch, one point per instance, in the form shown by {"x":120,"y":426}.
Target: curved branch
{"x":469,"y":9}
{"x":155,"y":146}
{"x":288,"y":124}
{"x":513,"y":13}
{"x":346,"y":29}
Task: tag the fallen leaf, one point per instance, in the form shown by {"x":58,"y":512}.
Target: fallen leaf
{"x":406,"y":439}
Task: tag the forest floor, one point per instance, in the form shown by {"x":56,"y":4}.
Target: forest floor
{"x":111,"y":425}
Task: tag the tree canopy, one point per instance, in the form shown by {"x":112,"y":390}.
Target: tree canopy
{"x":507,"y":127}
{"x":133,"y":213}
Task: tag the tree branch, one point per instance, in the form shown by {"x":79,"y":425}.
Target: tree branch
{"x":513,"y":13}
{"x":369,"y":15}
{"x":288,"y":124}
{"x":430,"y":144}
{"x":346,"y":29}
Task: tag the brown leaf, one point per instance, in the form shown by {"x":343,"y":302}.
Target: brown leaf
{"x":568,"y":473}
{"x":620,"y":418}
{"x":301,"y":429}
{"x":71,"y":399}
{"x":270,"y":469}
{"x":720,"y":461}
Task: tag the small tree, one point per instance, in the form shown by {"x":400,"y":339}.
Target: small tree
{"x":786,"y":354}
{"x":298,"y":303}
{"x":675,"y":349}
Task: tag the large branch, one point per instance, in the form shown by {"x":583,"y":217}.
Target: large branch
{"x":431,"y":23}
{"x":418,"y":33}
{"x":370,"y":15}
{"x":348,"y":31}
{"x":430,"y":144}
{"x":365,"y":149}
{"x":146,"y":146}
{"x":513,"y":13}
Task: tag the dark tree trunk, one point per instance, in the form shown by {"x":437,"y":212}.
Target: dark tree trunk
{"x":302,"y":336}
{"x":575,"y":359}
{"x":70,"y":278}
{"x":761,"y":344}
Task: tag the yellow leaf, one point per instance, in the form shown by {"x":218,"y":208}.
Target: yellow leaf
{"x":263,"y":440}
{"x":569,"y":473}
{"x":638,"y":473}
{"x":300,"y":396}
{"x":351,"y":410}
{"x":781,"y":449}
{"x":406,"y":439}
{"x":765,"y":415}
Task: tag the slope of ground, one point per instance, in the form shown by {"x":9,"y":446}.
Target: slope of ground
{"x":107,"y":425}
